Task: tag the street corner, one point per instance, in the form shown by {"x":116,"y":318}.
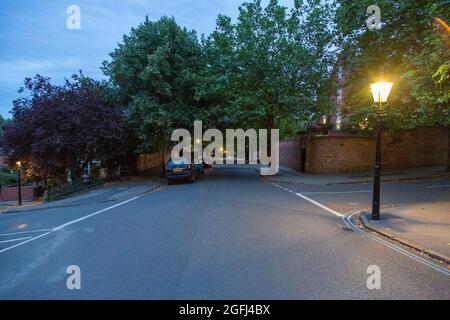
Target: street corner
{"x":428,"y":239}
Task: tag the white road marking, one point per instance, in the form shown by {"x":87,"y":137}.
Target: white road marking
{"x":347,"y":221}
{"x":23,"y":232}
{"x":312,"y":201}
{"x":441,"y":186}
{"x":337,"y":192}
{"x":70,"y":223}
{"x":22,"y":243}
{"x":92,"y":214}
{"x":320,"y":205}
{"x":14,"y":240}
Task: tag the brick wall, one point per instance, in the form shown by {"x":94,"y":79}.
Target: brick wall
{"x":11,"y":194}
{"x":422,"y":147}
{"x":289,"y":153}
{"x":330,"y":154}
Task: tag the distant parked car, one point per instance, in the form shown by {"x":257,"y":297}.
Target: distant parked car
{"x":181,"y":170}
{"x":206,"y":166}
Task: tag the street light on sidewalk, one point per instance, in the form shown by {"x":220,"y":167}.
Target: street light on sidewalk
{"x":380,"y":92}
{"x":19,"y":188}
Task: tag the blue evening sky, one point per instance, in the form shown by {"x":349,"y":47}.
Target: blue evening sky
{"x":34,"y":37}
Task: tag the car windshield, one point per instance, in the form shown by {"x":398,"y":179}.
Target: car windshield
{"x":178,"y":162}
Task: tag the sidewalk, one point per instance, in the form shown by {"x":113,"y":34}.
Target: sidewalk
{"x":109,"y":192}
{"x":424,"y":227}
{"x":287,"y":175}
{"x":13,"y":205}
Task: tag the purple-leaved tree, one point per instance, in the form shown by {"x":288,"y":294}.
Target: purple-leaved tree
{"x":60,"y":128}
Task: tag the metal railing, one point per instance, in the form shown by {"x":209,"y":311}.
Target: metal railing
{"x":64,"y":190}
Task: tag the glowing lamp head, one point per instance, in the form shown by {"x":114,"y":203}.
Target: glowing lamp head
{"x":381,"y":91}
{"x":18,"y":164}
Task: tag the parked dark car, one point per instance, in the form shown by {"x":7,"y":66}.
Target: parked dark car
{"x":181,"y":170}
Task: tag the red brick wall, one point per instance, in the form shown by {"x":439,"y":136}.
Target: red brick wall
{"x":11,"y":194}
{"x":290,"y":153}
{"x":422,"y":147}
{"x":332,"y":154}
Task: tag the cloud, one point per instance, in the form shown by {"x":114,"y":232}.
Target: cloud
{"x":35,"y":39}
{"x":17,"y":70}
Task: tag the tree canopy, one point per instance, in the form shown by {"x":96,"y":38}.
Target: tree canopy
{"x":56,"y":128}
{"x":270,"y":69}
{"x":155,"y":70}
{"x":411,"y":49}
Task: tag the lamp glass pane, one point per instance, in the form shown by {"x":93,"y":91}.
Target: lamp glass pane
{"x":381,"y":91}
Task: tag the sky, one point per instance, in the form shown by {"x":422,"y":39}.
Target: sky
{"x":35,"y":39}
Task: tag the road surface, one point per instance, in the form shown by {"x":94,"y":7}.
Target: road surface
{"x":231,"y":235}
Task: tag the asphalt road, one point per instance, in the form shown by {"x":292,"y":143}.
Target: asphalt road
{"x":231,"y":235}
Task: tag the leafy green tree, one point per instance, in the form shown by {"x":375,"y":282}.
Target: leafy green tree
{"x":442,"y":80}
{"x":270,"y":69}
{"x":155,"y":70}
{"x":407,"y":49}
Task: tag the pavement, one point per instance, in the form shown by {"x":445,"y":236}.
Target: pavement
{"x":420,"y":220}
{"x":13,"y":205}
{"x":288,"y":175}
{"x":109,"y":192}
{"x":230,"y":235}
{"x":424,"y":226}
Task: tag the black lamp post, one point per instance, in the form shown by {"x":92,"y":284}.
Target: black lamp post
{"x":380,"y":93}
{"x":19,"y":188}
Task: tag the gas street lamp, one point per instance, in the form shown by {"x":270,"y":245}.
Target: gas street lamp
{"x":380,"y":92}
{"x":19,"y":188}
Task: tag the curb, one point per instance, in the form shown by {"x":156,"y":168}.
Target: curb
{"x":431,"y":253}
{"x":24,"y":210}
{"x":369,"y":180}
{"x":393,"y":180}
